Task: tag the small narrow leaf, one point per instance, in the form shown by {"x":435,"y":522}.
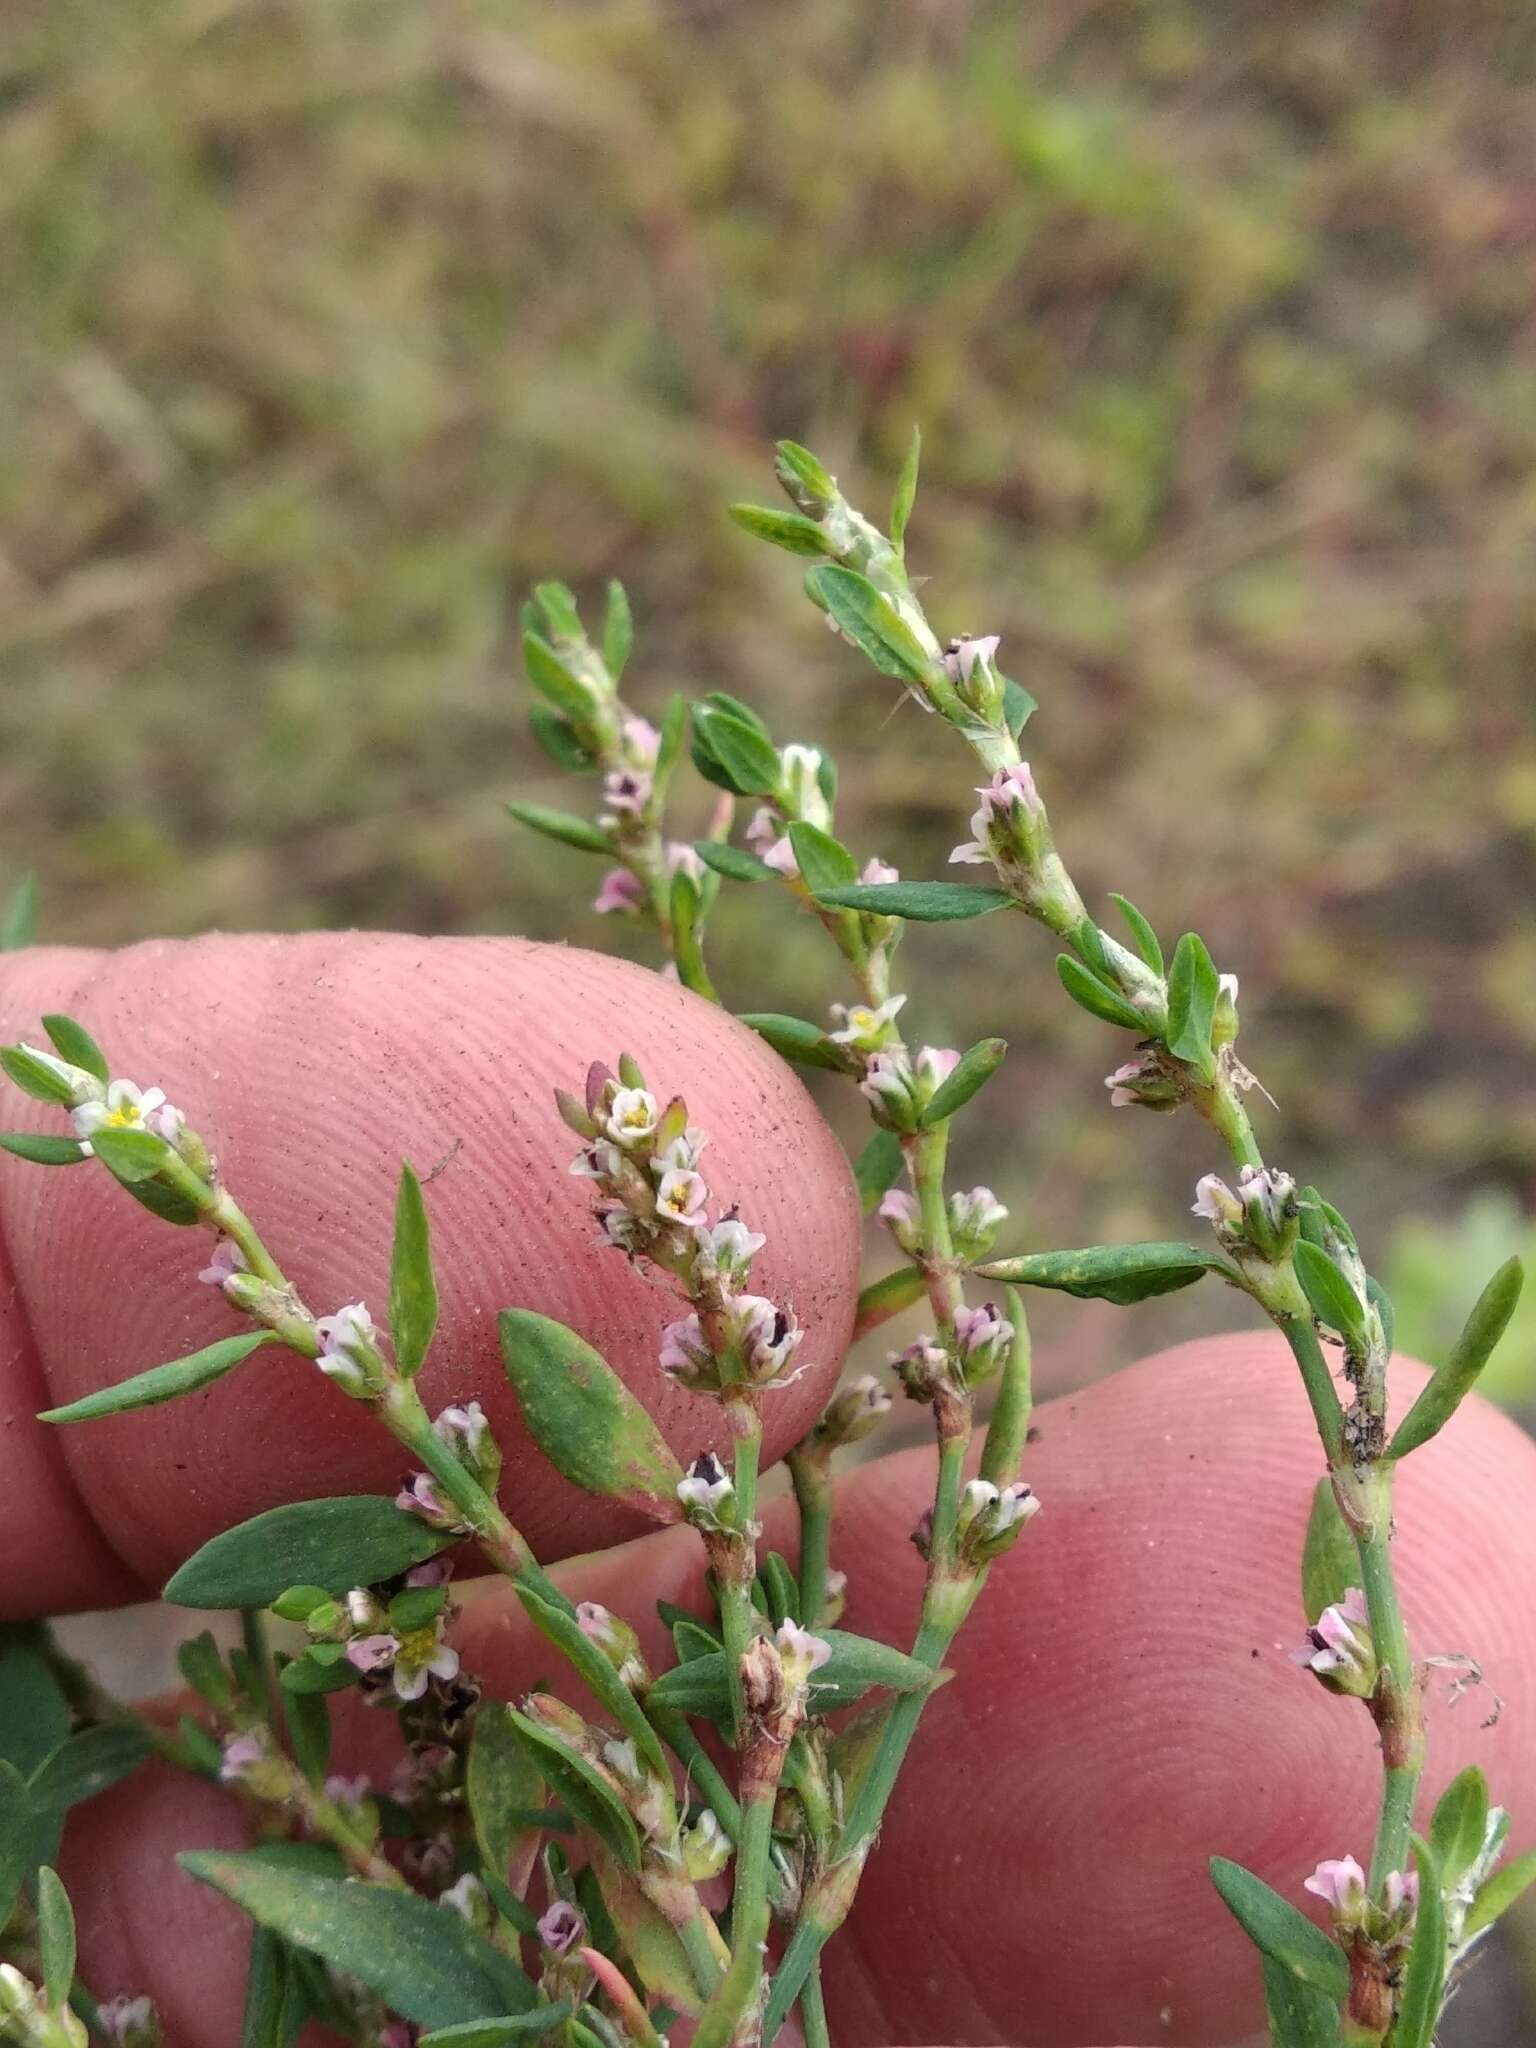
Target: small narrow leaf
{"x":72,"y":1042}
{"x":1457,"y":1376}
{"x":558,"y":739}
{"x":887,"y":1297}
{"x":562,"y":825}
{"x":43,"y":1151}
{"x":1330,"y":1564}
{"x":583,"y":1417}
{"x":871,"y":622}
{"x":650,"y":1942}
{"x":686,"y":908}
{"x":18,"y":921}
{"x":274,"y":2002}
{"x":733,"y":753}
{"x":1423,"y":1987}
{"x":1018,"y":706}
{"x":503,"y":2031}
{"x":975,"y":1070}
{"x":1122,"y":1273}
{"x":426,"y":1963}
{"x":55,"y":1936}
{"x":35,"y":1077}
{"x":1333,"y":1301}
{"x":1299,"y":2016}
{"x":308,"y":1721}
{"x":412,"y":1288}
{"x":90,"y":1762}
{"x":557,"y":601}
{"x":355,"y":1540}
{"x":502,"y":1788}
{"x":581,"y":1789}
{"x":20,"y":1821}
{"x":550,"y":676}
{"x":793,"y":1038}
{"x":1282,"y":1932}
{"x":791,"y":531}
{"x":857,"y":1665}
{"x":618,"y":631}
{"x":1500,"y":1892}
{"x":1008,"y":1431}
{"x":1460,"y":1825}
{"x":1193,"y":984}
{"x":131,"y":1156}
{"x":804,"y":479}
{"x":824,"y":862}
{"x":596,"y":1673}
{"x":878,"y":1167}
{"x":163,"y":1382}
{"x":921,"y":902}
{"x":906,"y":489}
{"x":734,"y":861}
{"x":1142,"y":932}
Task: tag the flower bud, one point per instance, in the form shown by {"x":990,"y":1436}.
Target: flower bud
{"x":725,"y":1251}
{"x":768,"y":1336}
{"x":1007,"y":830}
{"x":687,"y":1358}
{"x":349,"y":1351}
{"x":1224,"y":1017}
{"x":991,"y":1521}
{"x":899,"y":1213}
{"x":706,"y":1848}
{"x":889,"y":1087}
{"x":616,"y":1640}
{"x":1340,"y":1882}
{"x":1147,"y":1082}
{"x":974,"y":1220}
{"x":708,"y":1493}
{"x":982,"y":1338}
{"x":469,"y":1898}
{"x":834,"y":1599}
{"x":852,"y":1413}
{"x":1339,"y":1648}
{"x":420,"y":1496}
{"x":800,"y":785}
{"x":467,"y":1433}
{"x":130,"y":2023}
{"x":561,"y":1927}
{"x":922,"y":1368}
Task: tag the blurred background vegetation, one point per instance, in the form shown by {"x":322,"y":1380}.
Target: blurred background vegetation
{"x":327,"y":329}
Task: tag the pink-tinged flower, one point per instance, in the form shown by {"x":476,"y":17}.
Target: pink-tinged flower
{"x":596,"y":1162}
{"x":684,"y":1151}
{"x":764,"y":831}
{"x":982,"y":1335}
{"x":781,"y":857}
{"x":350,"y":1792}
{"x":922,"y":1533}
{"x":561,"y":1927}
{"x":962,"y":655}
{"x":800,"y":775}
{"x":1009,"y":800}
{"x":369,"y":1654}
{"x":632,"y":1116}
{"x":1144,"y":1082}
{"x":1215,"y":1201}
{"x":769,"y":1337}
{"x":1400,"y":1894}
{"x":419,"y":1496}
{"x":1340,"y":1882}
{"x":878,"y":871}
{"x":862,"y":1026}
{"x":1339,"y":1642}
{"x":1016,"y":1504}
{"x":900,"y":1214}
{"x":705,"y":1488}
{"x":627,"y":791}
{"x":641,"y":740}
{"x":227,"y":1259}
{"x":685,"y":859}
{"x":434,"y":1769}
{"x":422,"y":1654}
{"x":935,"y":1064}
{"x":922,"y":1367}
{"x":242,"y":1753}
{"x":887,"y":1082}
{"x":726,"y":1249}
{"x":348,"y":1344}
{"x":974,"y":1220}
{"x":129,"y":2023}
{"x":800,"y":1652}
{"x":619,"y":894}
{"x":437,"y":1571}
{"x":464,"y":1430}
{"x":686,"y":1356}
{"x":1122,"y":1094}
{"x":990,"y":1521}
{"x":682,"y":1198}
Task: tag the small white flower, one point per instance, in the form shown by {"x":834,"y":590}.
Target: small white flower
{"x":962,"y":655}
{"x":935,"y":1064}
{"x":1215,"y":1201}
{"x":726,"y":1249}
{"x":683,"y":1152}
{"x":901,"y":1216}
{"x":346,"y":1340}
{"x":596,"y":1162}
{"x":861,"y":1026}
{"x":800,"y":1652}
{"x":127,"y":1108}
{"x":768,"y":1336}
{"x":879,"y":871}
{"x":632,"y":1116}
{"x":1016,"y":1503}
{"x":1226,"y":985}
{"x":706,"y":1487}
{"x":466,"y":1898}
{"x":463,"y":1430}
{"x":800,"y":769}
{"x":681,"y":1198}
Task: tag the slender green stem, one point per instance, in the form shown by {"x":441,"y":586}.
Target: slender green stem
{"x":749,"y":1923}
{"x":1397,"y":1705}
{"x":813,"y":2011}
{"x":812,"y":1479}
{"x":700,"y":1951}
{"x":698,"y":1765}
{"x":738,"y":1622}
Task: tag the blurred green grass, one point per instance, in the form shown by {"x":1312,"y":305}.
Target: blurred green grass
{"x":328,"y":329}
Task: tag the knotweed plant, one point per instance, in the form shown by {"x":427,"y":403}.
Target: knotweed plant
{"x":681,"y":1854}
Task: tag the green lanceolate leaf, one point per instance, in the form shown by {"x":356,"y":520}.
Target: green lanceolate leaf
{"x":1142,"y":932}
{"x":870,"y":621}
{"x":1122,"y":1273}
{"x":557,"y":601}
{"x":131,"y":1156}
{"x":274,"y":2002}
{"x":582,"y":1789}
{"x":888,"y":1296}
{"x":1193,"y":985}
{"x":1299,"y":2016}
{"x":1018,"y":706}
{"x":651,"y":1943}
{"x":35,"y":1077}
{"x":163,"y":1382}
{"x":562,"y":825}
{"x":1330,"y":1564}
{"x":1283,"y":1933}
{"x":426,"y":1964}
{"x":558,"y":739}
{"x":906,"y":489}
{"x":805,"y":480}
{"x":1454,"y":1380}
{"x":34,"y":1712}
{"x":90,"y":1762}
{"x":1333,"y":1301}
{"x":733,"y":753}
{"x":72,"y":1042}
{"x":791,"y":531}
{"x":503,"y":2031}
{"x":1008,"y":1431}
{"x":777,"y":1590}
{"x":1500,"y":1892}
{"x":18,"y":921}
{"x":20,"y":1822}
{"x":503,"y":1790}
{"x":599,"y":1676}
{"x":824,"y":862}
{"x":618,"y":630}
{"x":686,"y":907}
{"x":975,"y":1070}
{"x":55,"y":1935}
{"x":583,"y":1417}
{"x":43,"y":1151}
{"x":878,"y":1168}
{"x":857,"y":1666}
{"x":733,"y":861}
{"x":412,"y":1288}
{"x":550,"y":676}
{"x":793,"y":1038}
{"x":308,"y":1721}
{"x":920,"y":902}
{"x":356,"y":1540}
{"x":1423,"y":1987}
{"x":1460,"y":1825}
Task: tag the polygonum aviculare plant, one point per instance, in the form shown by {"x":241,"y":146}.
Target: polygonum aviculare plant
{"x":683,"y":1853}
